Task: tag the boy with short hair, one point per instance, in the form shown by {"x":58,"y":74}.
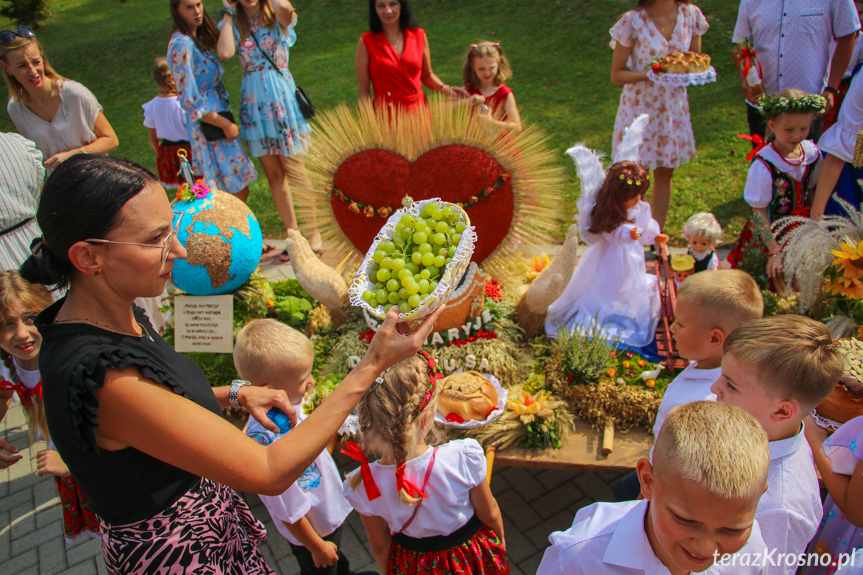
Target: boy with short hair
{"x":779,"y":369}
{"x":309,"y":514}
{"x":701,"y":492}
{"x":709,"y":307}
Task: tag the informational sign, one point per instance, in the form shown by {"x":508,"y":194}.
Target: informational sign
{"x":204,"y":323}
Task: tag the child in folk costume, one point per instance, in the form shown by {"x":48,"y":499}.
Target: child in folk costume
{"x":166,"y":123}
{"x":839,"y":460}
{"x":426,"y":509}
{"x":610,"y":284}
{"x":784,"y":171}
{"x":20,"y":302}
{"x":485,"y":70}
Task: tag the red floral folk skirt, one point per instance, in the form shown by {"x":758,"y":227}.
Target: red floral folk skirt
{"x":481,"y":553}
{"x":78,"y":518}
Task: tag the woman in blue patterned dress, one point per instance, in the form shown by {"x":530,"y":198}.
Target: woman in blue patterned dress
{"x":198,"y":76}
{"x":261,"y":32}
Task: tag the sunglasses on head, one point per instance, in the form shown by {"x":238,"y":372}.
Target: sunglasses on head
{"x":7,"y":36}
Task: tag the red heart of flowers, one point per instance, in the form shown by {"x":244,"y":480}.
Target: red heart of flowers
{"x":453,"y":173}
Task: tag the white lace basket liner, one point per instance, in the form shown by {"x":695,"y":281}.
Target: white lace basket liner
{"x":446,"y":285}
{"x":697,"y":79}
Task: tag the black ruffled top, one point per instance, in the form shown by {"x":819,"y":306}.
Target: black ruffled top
{"x":127,"y":485}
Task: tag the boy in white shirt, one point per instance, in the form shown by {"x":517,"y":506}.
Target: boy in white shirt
{"x":309,"y":514}
{"x":710,"y":306}
{"x":779,"y":369}
{"x":700,"y":495}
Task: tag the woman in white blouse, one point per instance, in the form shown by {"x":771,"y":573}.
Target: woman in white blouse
{"x":61,"y":116}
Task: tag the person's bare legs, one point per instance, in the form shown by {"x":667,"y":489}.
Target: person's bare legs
{"x":243,"y":195}
{"x":295,"y":169}
{"x":661,"y":194}
{"x":275,"y":173}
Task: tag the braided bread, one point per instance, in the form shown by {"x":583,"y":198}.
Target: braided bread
{"x":466,"y":396}
{"x":684,"y":63}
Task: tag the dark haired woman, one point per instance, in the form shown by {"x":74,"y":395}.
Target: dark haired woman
{"x":138,"y":424}
{"x":262,"y":32}
{"x":655,"y":29}
{"x":198,"y":77}
{"x":394,"y":57}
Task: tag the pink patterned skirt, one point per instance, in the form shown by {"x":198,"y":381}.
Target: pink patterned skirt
{"x":210,"y":530}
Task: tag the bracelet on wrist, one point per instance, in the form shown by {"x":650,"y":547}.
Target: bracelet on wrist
{"x":832,"y":90}
{"x":442,"y":86}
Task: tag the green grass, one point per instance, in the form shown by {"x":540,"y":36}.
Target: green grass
{"x":558,"y":49}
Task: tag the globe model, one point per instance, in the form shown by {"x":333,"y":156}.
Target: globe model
{"x":222,"y":238}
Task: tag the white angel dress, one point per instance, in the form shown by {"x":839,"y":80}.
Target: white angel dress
{"x":609,"y":285}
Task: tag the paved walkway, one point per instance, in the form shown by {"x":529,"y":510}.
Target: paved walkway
{"x":534,"y":502}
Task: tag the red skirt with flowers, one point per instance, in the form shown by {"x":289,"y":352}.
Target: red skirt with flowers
{"x":169,"y":163}
{"x":77,"y":515}
{"x":481,"y":554}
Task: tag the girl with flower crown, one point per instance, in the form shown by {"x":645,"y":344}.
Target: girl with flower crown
{"x":20,"y":302}
{"x":784,"y":170}
{"x":426,"y":509}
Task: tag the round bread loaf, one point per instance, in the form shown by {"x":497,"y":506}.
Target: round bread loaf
{"x":684,"y":63}
{"x":466,"y":396}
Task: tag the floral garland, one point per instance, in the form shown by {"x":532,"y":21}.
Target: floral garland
{"x":197,"y":191}
{"x":772,"y":106}
{"x":367,"y":336}
{"x":369,"y":210}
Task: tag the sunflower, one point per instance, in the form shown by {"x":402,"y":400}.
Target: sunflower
{"x":528,"y":406}
{"x":851,"y":287}
{"x":850,"y":260}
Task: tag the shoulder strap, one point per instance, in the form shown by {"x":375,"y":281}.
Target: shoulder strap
{"x":425,"y":484}
{"x":270,"y":60}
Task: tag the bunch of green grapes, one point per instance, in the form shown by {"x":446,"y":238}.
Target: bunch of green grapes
{"x":409,"y":266}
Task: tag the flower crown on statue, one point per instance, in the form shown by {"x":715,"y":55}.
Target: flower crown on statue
{"x":773,"y":106}
{"x":193,"y":188}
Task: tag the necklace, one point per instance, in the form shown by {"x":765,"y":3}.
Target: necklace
{"x":143,"y":333}
{"x":662,"y":27}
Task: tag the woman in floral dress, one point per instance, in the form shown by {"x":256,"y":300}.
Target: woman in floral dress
{"x":261,"y":32}
{"x":654,"y":29}
{"x":198,"y":77}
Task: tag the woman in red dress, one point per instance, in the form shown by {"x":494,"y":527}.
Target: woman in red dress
{"x":394,"y":58}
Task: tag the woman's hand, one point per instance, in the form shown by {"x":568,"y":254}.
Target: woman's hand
{"x":49,"y":462}
{"x":394,"y":342}
{"x":232,"y":132}
{"x":8,"y":460}
{"x":634,"y":233}
{"x":58,"y":159}
{"x":259,"y":400}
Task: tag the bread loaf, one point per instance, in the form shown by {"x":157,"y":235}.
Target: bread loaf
{"x":683,"y":63}
{"x":466,"y":396}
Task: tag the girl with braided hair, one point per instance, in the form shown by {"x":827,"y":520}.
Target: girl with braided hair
{"x":20,"y":341}
{"x":426,"y":509}
{"x":166,"y":122}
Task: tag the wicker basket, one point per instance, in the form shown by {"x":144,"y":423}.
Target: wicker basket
{"x":449,"y":280}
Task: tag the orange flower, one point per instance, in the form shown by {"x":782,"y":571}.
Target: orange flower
{"x":270,"y":303}
{"x":650,"y":383}
{"x":474,"y":199}
{"x":369,"y":211}
{"x":850,"y":260}
{"x":506,"y":176}
{"x":850,"y":287}
{"x":627,"y":364}
{"x":354,"y":207}
{"x":610,"y":372}
{"x":536,"y":265}
{"x":641,"y":363}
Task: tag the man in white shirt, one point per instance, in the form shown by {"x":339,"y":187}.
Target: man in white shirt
{"x":709,"y":470}
{"x":792,"y":40}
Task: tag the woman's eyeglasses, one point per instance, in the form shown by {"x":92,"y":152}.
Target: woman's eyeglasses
{"x":7,"y":36}
{"x":165,"y":247}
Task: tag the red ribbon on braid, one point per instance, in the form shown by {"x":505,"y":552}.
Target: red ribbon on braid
{"x":409,"y":486}
{"x":435,"y":372}
{"x":24,"y":392}
{"x":755,"y":139}
{"x":354,"y":452}
{"x":747,"y":55}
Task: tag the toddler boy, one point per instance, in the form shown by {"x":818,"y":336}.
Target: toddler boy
{"x":709,"y":469}
{"x":778,"y":369}
{"x":309,"y":514}
{"x":709,"y":307}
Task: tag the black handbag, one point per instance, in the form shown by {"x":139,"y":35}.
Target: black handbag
{"x":212,"y":132}
{"x":307,"y":109}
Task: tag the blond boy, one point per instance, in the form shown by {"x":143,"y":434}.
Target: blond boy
{"x":778,"y":369}
{"x":701,"y":492}
{"x":309,"y":514}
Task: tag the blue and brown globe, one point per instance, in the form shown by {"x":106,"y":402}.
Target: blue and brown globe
{"x":222,"y":238}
